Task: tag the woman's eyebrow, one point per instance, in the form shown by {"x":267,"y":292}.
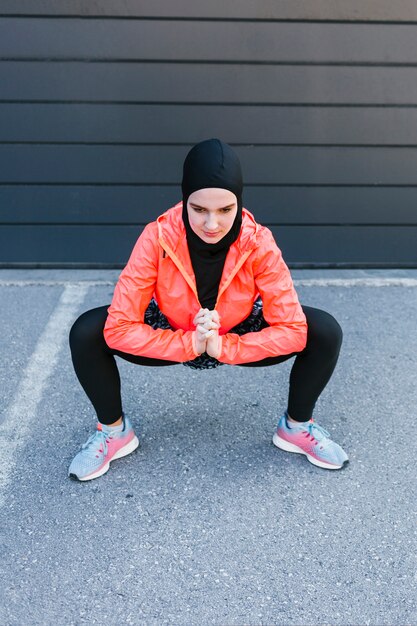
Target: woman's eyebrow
{"x":197,"y":206}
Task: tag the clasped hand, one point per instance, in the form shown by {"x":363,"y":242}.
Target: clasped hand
{"x":207,"y":332}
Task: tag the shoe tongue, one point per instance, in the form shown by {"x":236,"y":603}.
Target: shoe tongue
{"x":318,"y":434}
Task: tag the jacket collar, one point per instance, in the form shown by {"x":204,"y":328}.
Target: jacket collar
{"x":173,"y":239}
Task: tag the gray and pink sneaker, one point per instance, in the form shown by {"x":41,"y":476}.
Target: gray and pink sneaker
{"x":103,"y":446}
{"x":312,"y":440}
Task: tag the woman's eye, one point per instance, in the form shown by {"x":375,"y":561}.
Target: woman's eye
{"x":227,"y":210}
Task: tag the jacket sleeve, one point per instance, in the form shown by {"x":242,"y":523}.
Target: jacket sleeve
{"x":125,"y":329}
{"x":287,"y":331}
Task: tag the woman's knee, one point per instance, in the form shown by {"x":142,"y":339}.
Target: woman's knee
{"x":88,"y":327}
{"x":323,"y":328}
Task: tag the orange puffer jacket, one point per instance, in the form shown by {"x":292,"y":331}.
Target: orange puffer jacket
{"x":160,"y":267}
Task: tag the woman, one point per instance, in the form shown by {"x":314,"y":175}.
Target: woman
{"x":205,"y":285}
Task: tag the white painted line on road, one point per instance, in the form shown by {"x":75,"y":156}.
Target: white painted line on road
{"x":365,"y":281}
{"x":55,"y":283}
{"x":356,"y":282}
{"x":18,"y":417}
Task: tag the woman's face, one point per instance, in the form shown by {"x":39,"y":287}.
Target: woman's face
{"x":211,"y":213}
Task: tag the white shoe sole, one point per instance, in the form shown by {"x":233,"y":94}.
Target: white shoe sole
{"x":127,"y":449}
{"x":290,"y":447}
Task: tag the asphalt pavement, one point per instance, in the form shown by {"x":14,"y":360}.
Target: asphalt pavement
{"x":207,"y":522}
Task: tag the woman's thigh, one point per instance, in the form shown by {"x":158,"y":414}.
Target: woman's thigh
{"x":322,"y":331}
{"x":87,"y":333}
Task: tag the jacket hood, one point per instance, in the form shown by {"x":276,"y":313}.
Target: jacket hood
{"x":211,"y":163}
{"x":172,"y":230}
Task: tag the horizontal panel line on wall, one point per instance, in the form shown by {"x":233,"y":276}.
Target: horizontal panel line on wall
{"x":235,"y":144}
{"x":93,"y":184}
{"x":267,"y":224}
{"x":247,"y":185}
{"x":290,"y":264}
{"x":241,"y":62}
{"x":303,"y":19}
{"x":167,"y":103}
{"x":363,"y":10}
{"x":176,"y":18}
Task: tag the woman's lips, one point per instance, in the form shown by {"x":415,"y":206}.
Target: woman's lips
{"x":211,"y":234}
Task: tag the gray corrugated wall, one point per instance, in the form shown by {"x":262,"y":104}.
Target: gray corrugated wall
{"x":100,"y":102}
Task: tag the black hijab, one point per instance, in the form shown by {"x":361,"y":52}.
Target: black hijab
{"x":210,"y":163}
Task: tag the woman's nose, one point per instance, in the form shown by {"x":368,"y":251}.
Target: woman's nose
{"x":211,"y":223}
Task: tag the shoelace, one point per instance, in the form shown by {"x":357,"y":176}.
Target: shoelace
{"x":314,"y":428}
{"x":97,"y":442}
{"x":314,"y":431}
{"x":317,"y":433}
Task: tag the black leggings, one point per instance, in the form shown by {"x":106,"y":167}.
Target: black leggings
{"x":96,"y":368}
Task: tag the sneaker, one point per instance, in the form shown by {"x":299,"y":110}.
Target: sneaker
{"x":102,"y":447}
{"x":312,"y":440}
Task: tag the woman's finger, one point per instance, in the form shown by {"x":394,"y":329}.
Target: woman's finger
{"x":204,"y":320}
{"x":210,"y":319}
{"x":198,"y":317}
{"x":204,"y":332}
{"x":209,"y":325}
{"x":203,"y":313}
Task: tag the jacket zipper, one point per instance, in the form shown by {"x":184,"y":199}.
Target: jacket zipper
{"x":194,"y":287}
